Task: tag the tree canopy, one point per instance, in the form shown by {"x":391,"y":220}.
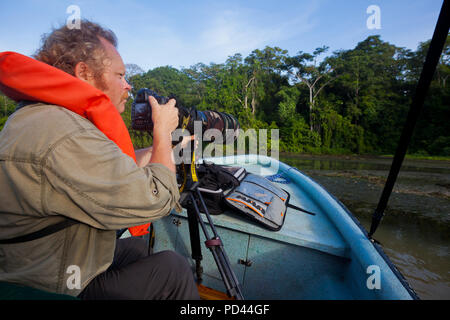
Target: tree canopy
{"x":348,"y":101}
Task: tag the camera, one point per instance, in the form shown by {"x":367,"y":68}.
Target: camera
{"x":141,"y":117}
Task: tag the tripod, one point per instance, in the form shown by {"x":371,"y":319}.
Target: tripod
{"x":190,"y":199}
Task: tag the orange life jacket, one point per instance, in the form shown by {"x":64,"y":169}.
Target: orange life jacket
{"x":24,"y":78}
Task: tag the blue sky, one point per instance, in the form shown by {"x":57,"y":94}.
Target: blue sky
{"x":182,"y":33}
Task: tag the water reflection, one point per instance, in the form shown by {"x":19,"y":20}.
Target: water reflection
{"x":422,"y":258}
{"x":360,"y":163}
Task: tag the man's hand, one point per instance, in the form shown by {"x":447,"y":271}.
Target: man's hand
{"x":164,"y":117}
{"x":165,"y":120}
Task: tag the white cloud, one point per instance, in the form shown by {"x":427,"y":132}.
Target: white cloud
{"x":243,"y":31}
{"x":214,"y":36}
{"x":230,"y":33}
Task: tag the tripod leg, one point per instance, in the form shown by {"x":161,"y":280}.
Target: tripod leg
{"x":215,"y":245}
{"x":195,"y":243}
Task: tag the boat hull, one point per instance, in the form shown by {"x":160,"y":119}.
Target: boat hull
{"x":326,"y":256}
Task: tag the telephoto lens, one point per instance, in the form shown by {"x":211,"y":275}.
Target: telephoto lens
{"x":141,"y":118}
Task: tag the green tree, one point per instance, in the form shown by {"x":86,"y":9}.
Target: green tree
{"x":306,"y":69}
{"x":370,"y":90}
{"x":288,"y":97}
{"x":7,"y":107}
{"x":264,"y":70}
{"x":353,"y":100}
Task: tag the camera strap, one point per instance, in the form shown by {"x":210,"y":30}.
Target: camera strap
{"x":193,"y":171}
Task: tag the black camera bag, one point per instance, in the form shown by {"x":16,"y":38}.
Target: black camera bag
{"x":224,"y":188}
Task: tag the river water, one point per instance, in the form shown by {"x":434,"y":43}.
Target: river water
{"x":415,"y":232}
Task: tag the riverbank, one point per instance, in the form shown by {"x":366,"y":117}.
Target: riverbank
{"x":421,"y":194}
{"x":408,"y":157}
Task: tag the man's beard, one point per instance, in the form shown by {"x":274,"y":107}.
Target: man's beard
{"x":125,"y":96}
{"x":100,"y":83}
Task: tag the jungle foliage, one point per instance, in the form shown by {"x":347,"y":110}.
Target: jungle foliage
{"x":349,"y":101}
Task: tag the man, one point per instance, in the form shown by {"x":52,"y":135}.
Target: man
{"x":55,"y":166}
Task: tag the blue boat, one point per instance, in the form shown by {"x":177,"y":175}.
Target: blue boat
{"x":322,"y":256}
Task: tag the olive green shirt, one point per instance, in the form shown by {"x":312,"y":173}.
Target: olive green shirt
{"x":55,"y":164}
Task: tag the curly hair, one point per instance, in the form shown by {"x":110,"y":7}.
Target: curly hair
{"x":63,"y":48}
